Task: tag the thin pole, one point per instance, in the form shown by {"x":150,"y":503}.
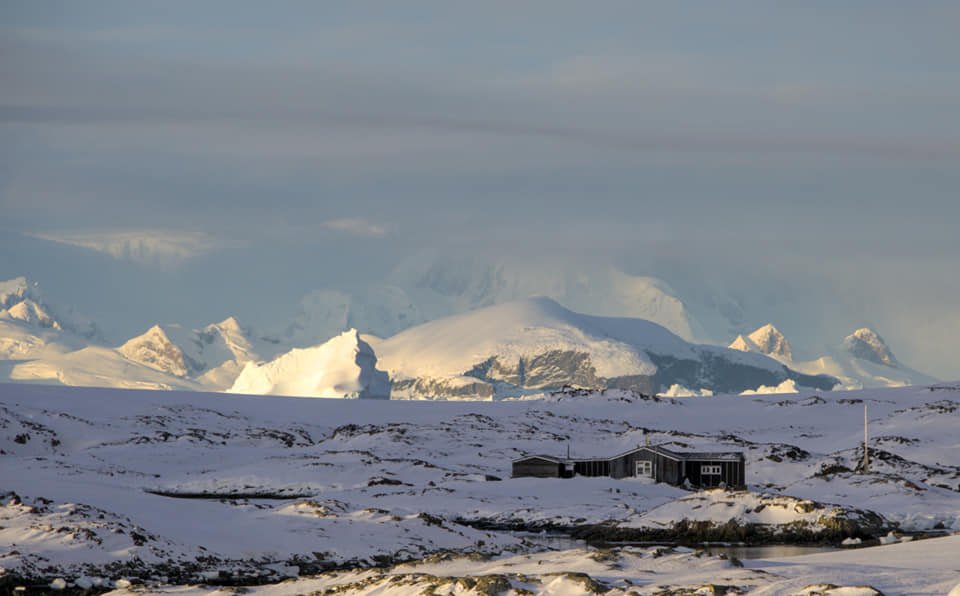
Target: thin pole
{"x":866,"y":448}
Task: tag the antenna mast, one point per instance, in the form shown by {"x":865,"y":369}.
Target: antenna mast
{"x":866,"y":448}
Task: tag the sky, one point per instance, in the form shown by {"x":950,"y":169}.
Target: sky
{"x":190,"y":160}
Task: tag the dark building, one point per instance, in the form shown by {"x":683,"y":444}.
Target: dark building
{"x":701,"y":469}
{"x":542,"y":466}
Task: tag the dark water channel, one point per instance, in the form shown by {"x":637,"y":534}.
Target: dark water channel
{"x":766,"y":551}
{"x":743,"y":552}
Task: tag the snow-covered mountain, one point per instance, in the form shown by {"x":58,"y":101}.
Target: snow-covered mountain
{"x":427,"y":288}
{"x":163,"y":357}
{"x":155,"y":350}
{"x":506,"y":351}
{"x":20,"y":297}
{"x":382,"y":310}
{"x":30,"y":326}
{"x":866,"y":344}
{"x":41,"y":342}
{"x":765,"y":340}
{"x":213,"y":354}
{"x":344,"y":366}
{"x":537,"y":345}
{"x":468,"y":284}
{"x":96,"y":366}
{"x":862,"y":360}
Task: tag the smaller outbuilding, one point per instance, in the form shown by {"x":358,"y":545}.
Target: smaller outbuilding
{"x":691,"y":468}
{"x":542,"y":466}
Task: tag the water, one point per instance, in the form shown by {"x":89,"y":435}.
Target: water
{"x":740,"y":551}
{"x":766,"y":551}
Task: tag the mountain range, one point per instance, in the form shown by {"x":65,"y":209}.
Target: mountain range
{"x":537,"y":345}
{"x":506,"y":349}
{"x":861,"y":360}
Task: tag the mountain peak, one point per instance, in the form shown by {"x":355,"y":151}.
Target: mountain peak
{"x":13,"y":291}
{"x":766,"y":340}
{"x":344,"y":366}
{"x":157,"y":331}
{"x":230,"y":323}
{"x":866,"y":344}
{"x":772,"y":342}
{"x":31,"y":313}
{"x":742,"y":344}
{"x":155,"y":349}
{"x":22,"y":300}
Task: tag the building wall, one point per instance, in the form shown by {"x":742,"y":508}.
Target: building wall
{"x":537,"y":468}
{"x":672,"y":471}
{"x":665,"y":469}
{"x":625,"y":466}
{"x":731,"y":473}
{"x":593,"y":467}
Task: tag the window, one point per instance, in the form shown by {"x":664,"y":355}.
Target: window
{"x":644,"y":468}
{"x":710,"y":470}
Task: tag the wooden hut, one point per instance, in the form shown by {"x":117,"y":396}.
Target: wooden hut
{"x":542,"y":466}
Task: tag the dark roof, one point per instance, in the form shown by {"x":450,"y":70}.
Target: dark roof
{"x":723,"y":455}
{"x":675,"y":455}
{"x":550,"y":458}
{"x":655,"y":448}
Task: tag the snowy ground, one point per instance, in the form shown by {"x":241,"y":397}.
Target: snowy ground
{"x":923,"y":567}
{"x":93,"y":481}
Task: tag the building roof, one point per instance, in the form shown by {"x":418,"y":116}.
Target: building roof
{"x":549,"y":458}
{"x":674,"y":455}
{"x":713,"y":455}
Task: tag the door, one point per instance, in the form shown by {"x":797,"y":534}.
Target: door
{"x":710,"y":475}
{"x":644,"y":468}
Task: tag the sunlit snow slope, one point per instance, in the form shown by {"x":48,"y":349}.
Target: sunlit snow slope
{"x":345,"y":366}
{"x":536,"y":344}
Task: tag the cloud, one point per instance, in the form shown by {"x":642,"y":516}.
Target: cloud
{"x":355,"y":226}
{"x":641,"y":103}
{"x":162,"y":248}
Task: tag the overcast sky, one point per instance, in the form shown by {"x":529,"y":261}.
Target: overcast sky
{"x":297,"y":145}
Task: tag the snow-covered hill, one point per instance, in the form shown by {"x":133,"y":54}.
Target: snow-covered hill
{"x":538,"y":345}
{"x":97,"y":366}
{"x":862,"y":360}
{"x":344,"y":366}
{"x":189,"y":488}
